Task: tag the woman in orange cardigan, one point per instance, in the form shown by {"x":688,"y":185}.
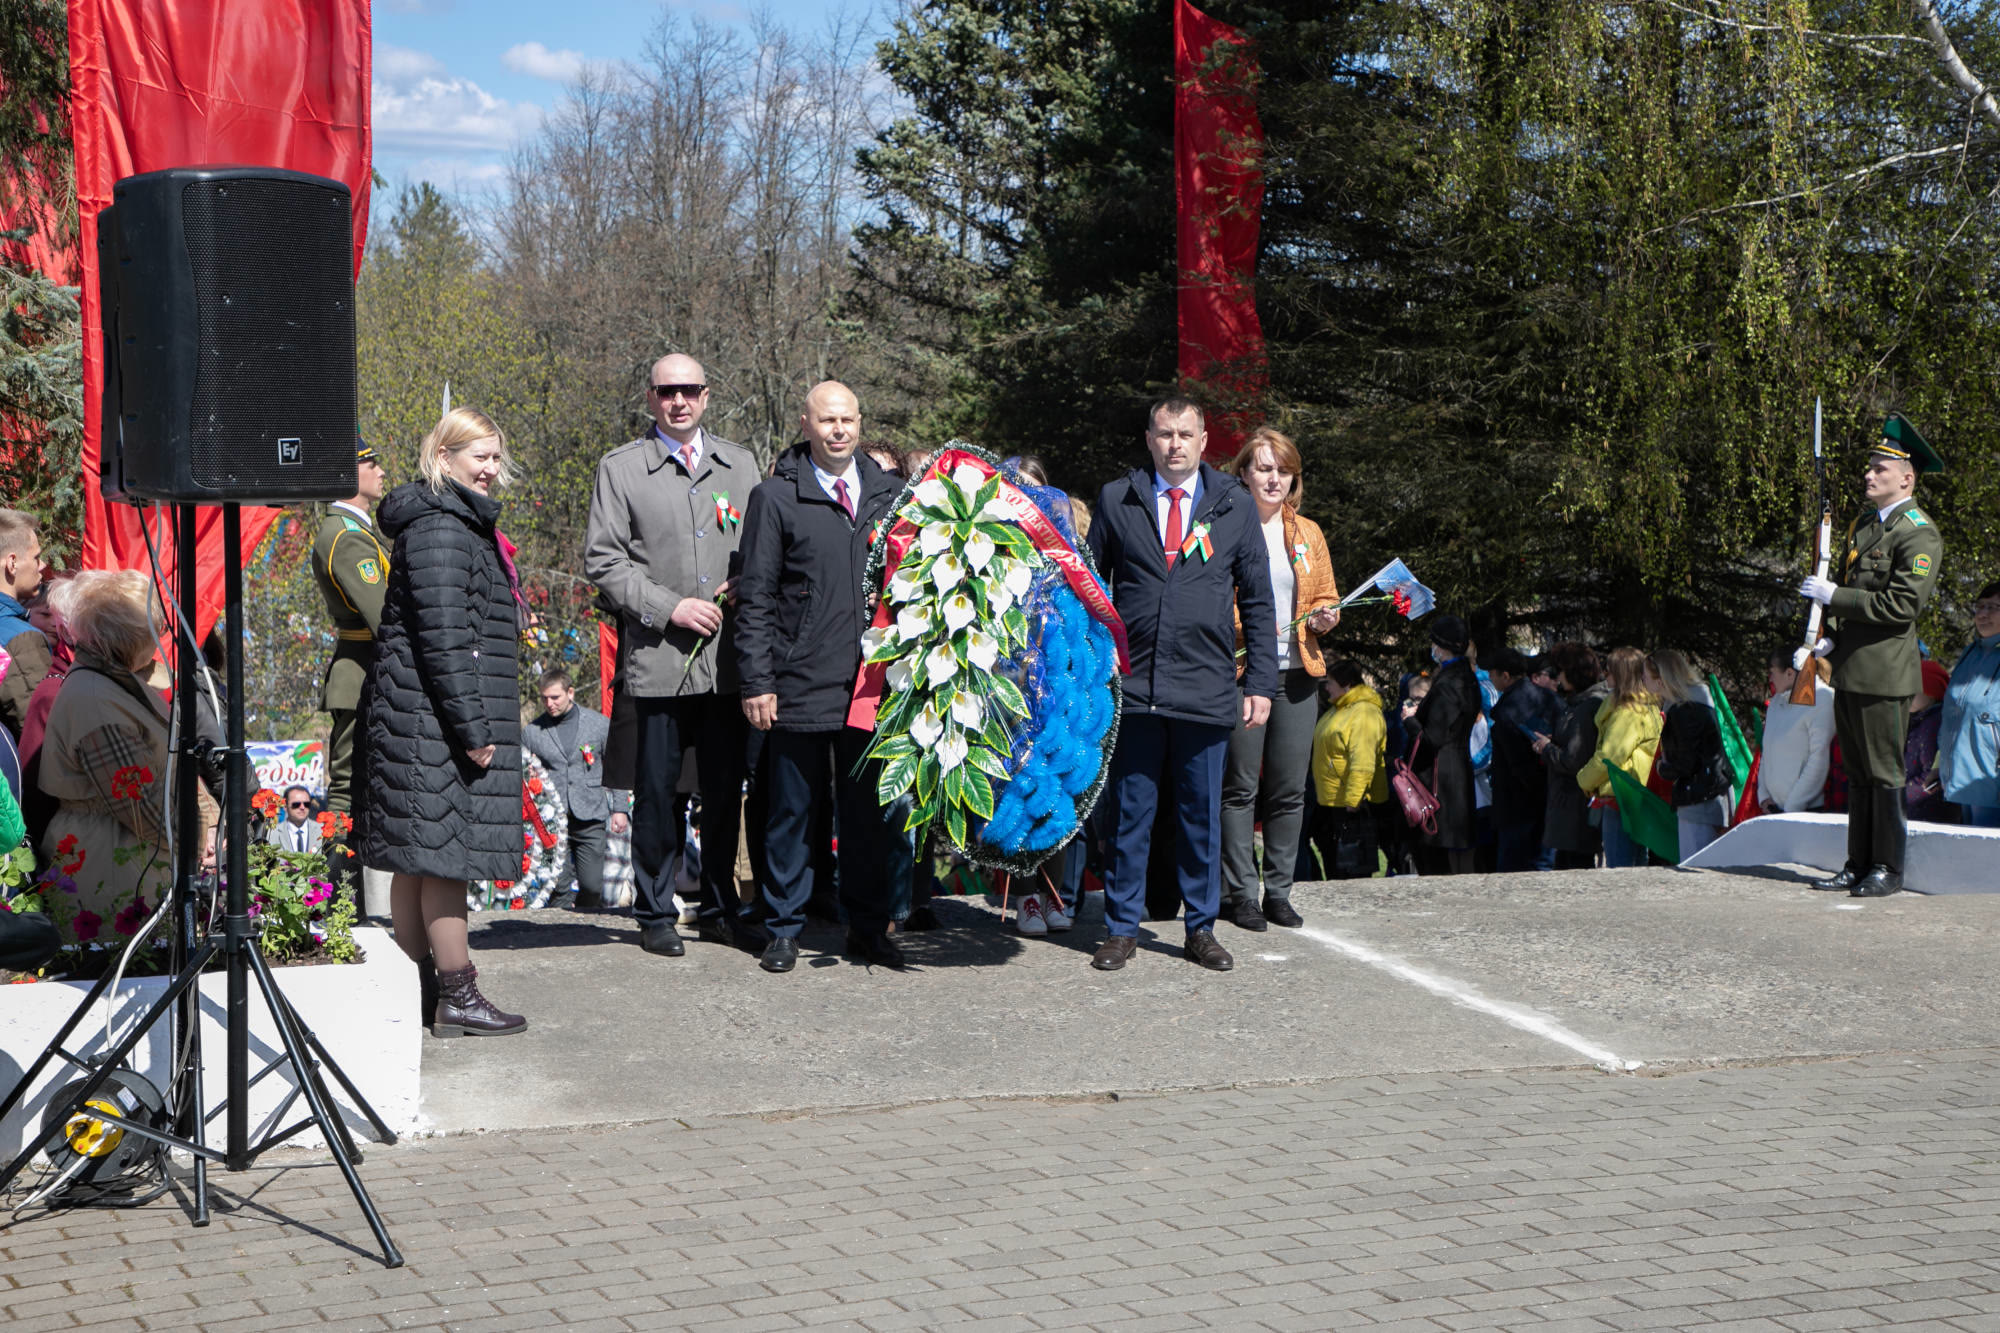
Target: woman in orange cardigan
{"x":1267,"y":767}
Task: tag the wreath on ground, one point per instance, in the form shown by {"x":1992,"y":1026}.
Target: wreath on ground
{"x":544,"y":849}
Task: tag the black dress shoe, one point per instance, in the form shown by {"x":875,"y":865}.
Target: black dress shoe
{"x":563,"y":902}
{"x":1848,"y":877}
{"x":1247,"y":917}
{"x":714,"y":930}
{"x":1202,"y":948}
{"x":1879,"y":882}
{"x":662,"y":939}
{"x":780,"y":955}
{"x":875,"y":949}
{"x":921,"y":918}
{"x":1280,"y":913}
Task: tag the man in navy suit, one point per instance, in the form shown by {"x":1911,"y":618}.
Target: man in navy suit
{"x":1180,"y":544}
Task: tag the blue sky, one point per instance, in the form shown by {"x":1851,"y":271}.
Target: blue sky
{"x":459,"y":82}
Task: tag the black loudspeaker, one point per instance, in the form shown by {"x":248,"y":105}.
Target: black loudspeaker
{"x":228,"y":333}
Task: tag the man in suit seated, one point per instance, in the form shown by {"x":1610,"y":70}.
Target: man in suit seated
{"x":298,"y":831}
{"x":569,"y":740}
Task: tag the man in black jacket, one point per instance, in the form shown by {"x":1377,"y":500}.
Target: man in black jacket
{"x":1520,"y":783}
{"x":1181,"y":546}
{"x":798,"y":648}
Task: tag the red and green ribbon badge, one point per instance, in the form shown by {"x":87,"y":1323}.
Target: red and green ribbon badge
{"x":1198,"y":541}
{"x":726,"y":514}
{"x":1299,"y":557}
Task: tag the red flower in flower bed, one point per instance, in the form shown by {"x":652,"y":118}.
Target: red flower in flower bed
{"x":131,"y":781}
{"x":86,"y":924}
{"x":68,"y":846}
{"x":267,"y":803}
{"x":133,"y":916}
{"x":333,"y":823}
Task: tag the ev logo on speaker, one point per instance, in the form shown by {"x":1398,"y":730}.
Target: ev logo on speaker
{"x":291,"y":452}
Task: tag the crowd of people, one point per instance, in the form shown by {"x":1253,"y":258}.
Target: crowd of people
{"x":1247,"y":758}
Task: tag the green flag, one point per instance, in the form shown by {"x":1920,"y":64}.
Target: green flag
{"x":1648,"y":820}
{"x":1733,"y":744}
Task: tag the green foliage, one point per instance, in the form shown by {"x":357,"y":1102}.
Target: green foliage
{"x":41,"y":406}
{"x":299,"y":915}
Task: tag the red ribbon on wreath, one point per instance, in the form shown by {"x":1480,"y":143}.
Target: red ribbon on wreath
{"x":534,"y":816}
{"x":872,"y":680}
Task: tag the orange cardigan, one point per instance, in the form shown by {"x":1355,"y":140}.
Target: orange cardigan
{"x":1313,"y":587}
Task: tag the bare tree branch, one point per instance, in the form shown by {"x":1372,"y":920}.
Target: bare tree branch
{"x":1947,"y":54}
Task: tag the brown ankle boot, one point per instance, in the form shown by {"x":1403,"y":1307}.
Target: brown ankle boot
{"x":463,"y":1012}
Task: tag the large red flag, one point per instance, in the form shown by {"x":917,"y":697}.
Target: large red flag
{"x":1219,"y":196}
{"x":259,"y":83}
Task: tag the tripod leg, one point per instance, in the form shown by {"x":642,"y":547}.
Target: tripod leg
{"x":323,"y":1111}
{"x":184,"y":1086}
{"x":383,"y":1134}
{"x":287,"y":1019}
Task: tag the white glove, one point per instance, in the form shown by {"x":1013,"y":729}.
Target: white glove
{"x":1817,"y":589}
{"x":1801,"y":656}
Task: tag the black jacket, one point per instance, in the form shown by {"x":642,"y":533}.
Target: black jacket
{"x":800,"y":604}
{"x":1178,"y":622}
{"x":1445,"y":719}
{"x":1691,"y":754}
{"x":1566,"y":822}
{"x":1520,"y":783}
{"x":443,"y":682}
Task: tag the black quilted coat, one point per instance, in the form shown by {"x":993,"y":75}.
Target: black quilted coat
{"x":443,"y":682}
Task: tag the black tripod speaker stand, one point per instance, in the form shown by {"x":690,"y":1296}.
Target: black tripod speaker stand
{"x":180,"y":1005}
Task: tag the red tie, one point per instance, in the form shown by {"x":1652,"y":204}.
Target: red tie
{"x":840,"y":489}
{"x":686,"y":455}
{"x":1174,"y":496}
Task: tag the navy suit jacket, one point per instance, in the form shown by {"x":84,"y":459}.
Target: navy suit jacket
{"x":1178,"y":622}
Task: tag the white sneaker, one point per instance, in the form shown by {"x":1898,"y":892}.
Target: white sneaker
{"x":1057,"y":918}
{"x":1028,"y":918}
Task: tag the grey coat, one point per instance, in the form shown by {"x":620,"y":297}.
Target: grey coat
{"x":558,"y":742}
{"x":653,"y":539}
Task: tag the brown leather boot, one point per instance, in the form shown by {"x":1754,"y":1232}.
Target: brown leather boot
{"x":463,"y":1012}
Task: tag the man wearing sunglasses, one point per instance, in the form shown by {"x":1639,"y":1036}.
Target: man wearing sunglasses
{"x":665,"y":521}
{"x":298,"y":831}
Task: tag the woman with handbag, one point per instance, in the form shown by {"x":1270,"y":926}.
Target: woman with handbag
{"x":1628,"y":734}
{"x":1267,"y":766}
{"x":1443,"y":754}
{"x":1691,"y":754}
{"x":1350,"y":774}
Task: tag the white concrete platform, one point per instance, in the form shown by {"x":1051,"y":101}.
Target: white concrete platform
{"x":1942,"y":858}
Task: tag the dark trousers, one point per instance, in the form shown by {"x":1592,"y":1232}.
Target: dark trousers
{"x":713,"y":724}
{"x":586,"y":858}
{"x":1519,"y":846}
{"x":802,"y":772}
{"x":1184,"y":760}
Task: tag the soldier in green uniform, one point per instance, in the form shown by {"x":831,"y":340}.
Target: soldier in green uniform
{"x":1887,"y":574}
{"x":351,"y":566}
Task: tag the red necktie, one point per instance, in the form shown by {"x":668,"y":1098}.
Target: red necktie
{"x":686,"y":455}
{"x":1173,"y":543}
{"x":840,"y":489}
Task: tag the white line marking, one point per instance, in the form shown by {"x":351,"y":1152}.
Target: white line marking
{"x":1528,"y":1020}
{"x":1272,"y":958}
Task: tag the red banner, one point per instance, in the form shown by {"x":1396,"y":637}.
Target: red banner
{"x":261,"y":83}
{"x":1219,"y":199}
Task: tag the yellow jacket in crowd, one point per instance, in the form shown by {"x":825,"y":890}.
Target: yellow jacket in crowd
{"x":1628,"y":734}
{"x":1350,"y":746}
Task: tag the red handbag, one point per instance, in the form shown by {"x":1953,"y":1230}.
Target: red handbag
{"x":1420,"y":807}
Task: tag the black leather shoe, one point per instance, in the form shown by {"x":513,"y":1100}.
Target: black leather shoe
{"x":780,"y":955}
{"x":1248,"y":917}
{"x":714,"y":930}
{"x":1879,"y":882}
{"x":1202,"y":948}
{"x":586,"y":901}
{"x":662,"y":939}
{"x":875,"y":949}
{"x":1279,"y":912}
{"x":921,"y":918}
{"x":1114,"y":953}
{"x":1848,"y":877}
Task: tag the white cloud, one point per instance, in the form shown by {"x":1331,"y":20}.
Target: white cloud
{"x":420,"y":106}
{"x":538,"y":62}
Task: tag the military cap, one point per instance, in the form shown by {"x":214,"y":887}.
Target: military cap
{"x":364,"y":452}
{"x":1901,"y":441}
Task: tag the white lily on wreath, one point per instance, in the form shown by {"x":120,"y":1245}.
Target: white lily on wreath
{"x":944,"y":728}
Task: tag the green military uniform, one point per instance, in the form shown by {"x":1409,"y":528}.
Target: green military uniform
{"x":1887,"y":574}
{"x":351,"y":567}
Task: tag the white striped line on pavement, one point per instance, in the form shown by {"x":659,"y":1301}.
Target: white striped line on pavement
{"x":1458,"y":992}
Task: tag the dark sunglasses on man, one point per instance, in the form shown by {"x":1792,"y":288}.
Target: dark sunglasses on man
{"x":687,"y":391}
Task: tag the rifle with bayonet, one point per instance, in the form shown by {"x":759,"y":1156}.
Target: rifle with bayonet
{"x":1806,"y":688}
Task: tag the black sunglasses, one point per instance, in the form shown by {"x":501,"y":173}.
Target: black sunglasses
{"x":687,"y":391}
{"x":297,"y":805}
